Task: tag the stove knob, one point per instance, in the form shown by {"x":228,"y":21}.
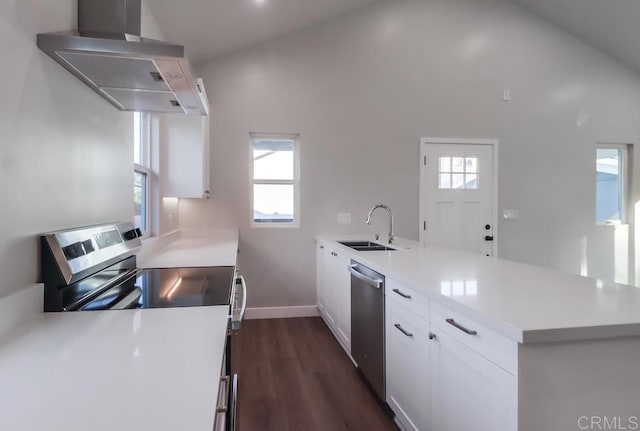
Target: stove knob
{"x":129,"y":235}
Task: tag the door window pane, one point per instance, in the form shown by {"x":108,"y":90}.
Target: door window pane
{"x":445,"y":164}
{"x":444,"y":181}
{"x":457,"y":181}
{"x":471,"y":165}
{"x":471,"y":181}
{"x":457,"y":164}
{"x":608,"y":185}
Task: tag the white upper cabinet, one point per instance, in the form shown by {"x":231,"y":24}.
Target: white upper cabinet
{"x":184,"y":160}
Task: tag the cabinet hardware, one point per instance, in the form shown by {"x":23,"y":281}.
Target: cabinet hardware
{"x":404,"y":295}
{"x":333,"y":253}
{"x":375,"y":282}
{"x":322,"y":246}
{"x":222,"y":408}
{"x":460,"y":327}
{"x":401,"y":329}
{"x":432,"y":336}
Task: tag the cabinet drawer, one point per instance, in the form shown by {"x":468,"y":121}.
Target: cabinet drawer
{"x":407,"y":297}
{"x":495,"y":347}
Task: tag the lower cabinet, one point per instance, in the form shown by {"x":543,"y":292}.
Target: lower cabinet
{"x":333,"y":291}
{"x":468,"y":391}
{"x":436,"y":378}
{"x":408,"y":366}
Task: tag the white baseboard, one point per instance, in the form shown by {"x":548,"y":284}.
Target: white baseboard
{"x":281,"y":312}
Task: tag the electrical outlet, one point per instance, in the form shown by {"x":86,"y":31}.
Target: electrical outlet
{"x":510,"y":215}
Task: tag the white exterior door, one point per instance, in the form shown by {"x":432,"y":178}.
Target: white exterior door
{"x":457,"y":185}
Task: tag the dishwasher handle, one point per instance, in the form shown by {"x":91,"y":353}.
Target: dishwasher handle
{"x":374,"y":282}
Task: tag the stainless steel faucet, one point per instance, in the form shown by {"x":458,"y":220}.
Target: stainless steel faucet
{"x":368,"y":221}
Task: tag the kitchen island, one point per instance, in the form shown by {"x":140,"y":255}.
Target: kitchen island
{"x":480,"y":343}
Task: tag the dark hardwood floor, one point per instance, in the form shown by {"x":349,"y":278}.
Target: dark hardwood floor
{"x":293,"y":376}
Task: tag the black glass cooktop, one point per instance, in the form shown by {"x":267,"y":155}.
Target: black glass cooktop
{"x":151,"y":288}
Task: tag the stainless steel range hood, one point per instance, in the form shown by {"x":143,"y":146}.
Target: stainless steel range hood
{"x":133,"y":73}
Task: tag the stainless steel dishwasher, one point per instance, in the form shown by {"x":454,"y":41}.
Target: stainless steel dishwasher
{"x":367,"y":325}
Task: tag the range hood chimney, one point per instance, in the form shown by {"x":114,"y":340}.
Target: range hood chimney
{"x":132,"y":72}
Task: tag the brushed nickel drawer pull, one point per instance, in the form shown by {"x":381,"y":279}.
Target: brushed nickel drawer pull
{"x":460,"y":327}
{"x":401,"y":329}
{"x":404,"y":295}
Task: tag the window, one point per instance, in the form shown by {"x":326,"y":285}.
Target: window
{"x":275,"y":180}
{"x":611,"y":178}
{"x":141,"y":171}
{"x":458,"y":172}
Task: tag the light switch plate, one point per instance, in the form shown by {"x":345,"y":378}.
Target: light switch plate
{"x":344,"y":218}
{"x":510,"y":215}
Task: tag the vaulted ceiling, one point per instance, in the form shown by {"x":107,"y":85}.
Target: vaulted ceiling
{"x":610,"y":25}
{"x":210,"y":28}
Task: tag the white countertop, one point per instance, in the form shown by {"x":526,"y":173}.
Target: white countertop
{"x":190,"y":248}
{"x":524,"y":302}
{"x":125,"y":370}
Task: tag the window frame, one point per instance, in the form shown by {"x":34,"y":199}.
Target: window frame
{"x":144,"y":166}
{"x":295,"y":181}
{"x":624,"y":185}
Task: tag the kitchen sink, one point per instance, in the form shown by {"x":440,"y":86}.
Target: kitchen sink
{"x":366,"y":246}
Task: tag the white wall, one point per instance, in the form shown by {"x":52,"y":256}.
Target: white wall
{"x":361,"y":90}
{"x":65,"y":153}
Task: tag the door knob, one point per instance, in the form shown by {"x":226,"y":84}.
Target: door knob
{"x":488,"y":238}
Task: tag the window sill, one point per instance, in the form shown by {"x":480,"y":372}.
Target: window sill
{"x":613,"y":223}
{"x":275,"y":225}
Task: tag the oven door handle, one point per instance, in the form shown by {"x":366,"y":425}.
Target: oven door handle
{"x":236,"y":324}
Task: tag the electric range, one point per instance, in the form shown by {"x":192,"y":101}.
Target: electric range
{"x":94,"y":268}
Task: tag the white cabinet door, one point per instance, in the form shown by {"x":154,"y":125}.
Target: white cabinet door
{"x":341,"y":285}
{"x":408,"y":368}
{"x":184,"y":164}
{"x":320,"y":277}
{"x":333,"y":291}
{"x":468,"y":392}
{"x":326,"y":286}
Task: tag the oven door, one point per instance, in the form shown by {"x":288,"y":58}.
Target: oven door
{"x":115,"y":299}
{"x":123,"y":295}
